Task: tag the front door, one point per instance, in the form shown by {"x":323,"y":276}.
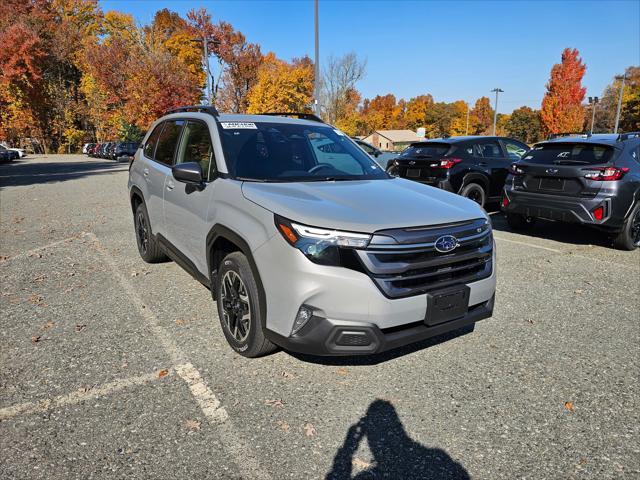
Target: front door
{"x":186,"y":206}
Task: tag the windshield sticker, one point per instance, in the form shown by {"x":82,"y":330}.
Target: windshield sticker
{"x":338,"y":132}
{"x":238,"y":125}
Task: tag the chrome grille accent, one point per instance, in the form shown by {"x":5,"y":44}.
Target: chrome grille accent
{"x":404,"y":262}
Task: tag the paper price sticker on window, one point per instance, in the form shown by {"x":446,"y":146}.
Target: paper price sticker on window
{"x":238,"y":125}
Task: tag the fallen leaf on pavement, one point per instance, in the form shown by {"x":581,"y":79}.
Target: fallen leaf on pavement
{"x":163,"y":373}
{"x":342,"y":371}
{"x":48,"y":325}
{"x":35,"y":255}
{"x":284,"y":426}
{"x":531,"y":321}
{"x":359,"y":463}
{"x":3,"y":258}
{"x":180,"y":322}
{"x":35,"y":339}
{"x":79,"y":327}
{"x":277,"y":402}
{"x":569,"y":406}
{"x":309,"y":430}
{"x":579,"y":291}
{"x":134,"y":274}
{"x":39,"y":278}
{"x":288,"y":375}
{"x":192,"y":425}
{"x":36,"y":299}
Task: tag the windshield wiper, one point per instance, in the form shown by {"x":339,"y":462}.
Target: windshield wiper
{"x":251,"y":179}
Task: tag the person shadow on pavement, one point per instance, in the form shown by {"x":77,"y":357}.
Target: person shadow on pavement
{"x":395,"y":455}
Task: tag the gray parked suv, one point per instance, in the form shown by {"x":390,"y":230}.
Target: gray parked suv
{"x":303,"y":240}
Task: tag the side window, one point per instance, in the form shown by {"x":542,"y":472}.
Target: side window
{"x":515,"y":151}
{"x":367,"y":148}
{"x":488,"y":149}
{"x":150,"y":146}
{"x":168,"y":141}
{"x":195,"y":146}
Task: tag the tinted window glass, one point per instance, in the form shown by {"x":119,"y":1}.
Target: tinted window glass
{"x":569,"y":153}
{"x":284,"y":152}
{"x":168,"y":141}
{"x":515,"y":151}
{"x":195,"y":146}
{"x":488,"y":149}
{"x":425,"y":150}
{"x":367,"y":148}
{"x":150,"y":146}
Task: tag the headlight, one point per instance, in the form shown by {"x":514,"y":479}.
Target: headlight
{"x":319,"y":245}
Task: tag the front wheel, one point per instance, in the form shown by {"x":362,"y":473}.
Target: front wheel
{"x":520,"y":222}
{"x":474,"y":192}
{"x":239,"y":307}
{"x":629,"y":237}
{"x":147,"y":245}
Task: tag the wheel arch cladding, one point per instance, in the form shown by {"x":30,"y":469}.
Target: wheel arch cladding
{"x":136,"y":198}
{"x":221,"y":241}
{"x":478,"y":178}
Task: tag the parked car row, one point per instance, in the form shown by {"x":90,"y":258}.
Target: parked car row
{"x":588,"y":179}
{"x":110,"y":150}
{"x":10,"y":154}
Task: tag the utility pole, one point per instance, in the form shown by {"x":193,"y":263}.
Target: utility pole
{"x":316,"y":86}
{"x":620,"y":77}
{"x":466,"y":130}
{"x":593,"y":101}
{"x":206,"y":67}
{"x":495,"y":112}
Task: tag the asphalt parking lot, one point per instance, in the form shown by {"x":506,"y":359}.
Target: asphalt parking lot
{"x":112,"y":368}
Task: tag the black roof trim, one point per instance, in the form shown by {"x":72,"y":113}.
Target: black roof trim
{"x":302,"y":115}
{"x":568,"y":134}
{"x":626,"y":136}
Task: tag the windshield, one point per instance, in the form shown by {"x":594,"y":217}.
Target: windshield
{"x":426,"y":150}
{"x":569,"y":154}
{"x":282,"y":152}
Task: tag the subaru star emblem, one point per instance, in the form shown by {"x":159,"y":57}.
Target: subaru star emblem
{"x":551,"y":170}
{"x":446,"y":243}
{"x":412,"y":162}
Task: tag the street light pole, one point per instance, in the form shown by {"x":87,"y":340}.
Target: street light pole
{"x":593,"y":101}
{"x":495,"y":112}
{"x":206,"y":67}
{"x":466,"y":130}
{"x":316,"y":86}
{"x":615,"y":129}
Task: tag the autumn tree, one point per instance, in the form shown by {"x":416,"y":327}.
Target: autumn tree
{"x":481,"y":117}
{"x":524,"y":125}
{"x":282,"y":86}
{"x":416,"y":111}
{"x":562,"y":109}
{"x":240,"y":76}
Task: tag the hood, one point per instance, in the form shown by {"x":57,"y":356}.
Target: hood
{"x":363,"y":205}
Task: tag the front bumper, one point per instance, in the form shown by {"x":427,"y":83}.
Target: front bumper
{"x":323,"y":336}
{"x":564,"y":209}
{"x":343,"y":298}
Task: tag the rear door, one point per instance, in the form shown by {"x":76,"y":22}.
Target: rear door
{"x":559,"y":168}
{"x":492,"y":159}
{"x":157,"y":170}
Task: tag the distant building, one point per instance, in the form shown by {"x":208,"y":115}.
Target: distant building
{"x":391,"y":140}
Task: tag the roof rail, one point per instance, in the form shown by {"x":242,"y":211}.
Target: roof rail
{"x":210,"y":109}
{"x":302,"y":115}
{"x":627,"y":136}
{"x":568,"y":134}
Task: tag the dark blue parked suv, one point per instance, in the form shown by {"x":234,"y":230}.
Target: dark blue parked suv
{"x":588,"y":179}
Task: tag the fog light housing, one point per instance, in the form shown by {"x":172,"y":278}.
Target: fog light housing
{"x":303,"y":316}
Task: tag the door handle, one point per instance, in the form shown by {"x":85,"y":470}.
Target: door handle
{"x":145,"y":172}
{"x":170,"y":185}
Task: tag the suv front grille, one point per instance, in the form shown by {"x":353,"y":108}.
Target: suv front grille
{"x":404,"y":262}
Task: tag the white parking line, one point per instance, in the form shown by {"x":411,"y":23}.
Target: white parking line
{"x":78,"y":396}
{"x":527,"y":244}
{"x":37,"y":250}
{"x":238,"y":450}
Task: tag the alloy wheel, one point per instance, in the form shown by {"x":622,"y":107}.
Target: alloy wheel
{"x":236,"y":309}
{"x":142,"y":232}
{"x":635,"y":229}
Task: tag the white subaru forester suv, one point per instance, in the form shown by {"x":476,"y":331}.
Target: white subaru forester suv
{"x":303,"y":240}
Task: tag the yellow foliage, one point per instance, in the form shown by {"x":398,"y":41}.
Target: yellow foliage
{"x":281,"y":86}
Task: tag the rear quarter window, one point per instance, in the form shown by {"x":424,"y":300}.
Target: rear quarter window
{"x":150,"y":145}
{"x":426,"y":150}
{"x":570,"y":153}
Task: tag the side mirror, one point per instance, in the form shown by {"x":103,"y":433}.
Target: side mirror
{"x":377,"y":153}
{"x":189,"y":173}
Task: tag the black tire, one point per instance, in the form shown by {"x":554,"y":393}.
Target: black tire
{"x":245,"y":335}
{"x":475,"y":192}
{"x":148,"y":247}
{"x":629,"y":237}
{"x":519,"y":222}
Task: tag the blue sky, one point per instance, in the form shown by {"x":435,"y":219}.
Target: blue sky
{"x":452,"y":50}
